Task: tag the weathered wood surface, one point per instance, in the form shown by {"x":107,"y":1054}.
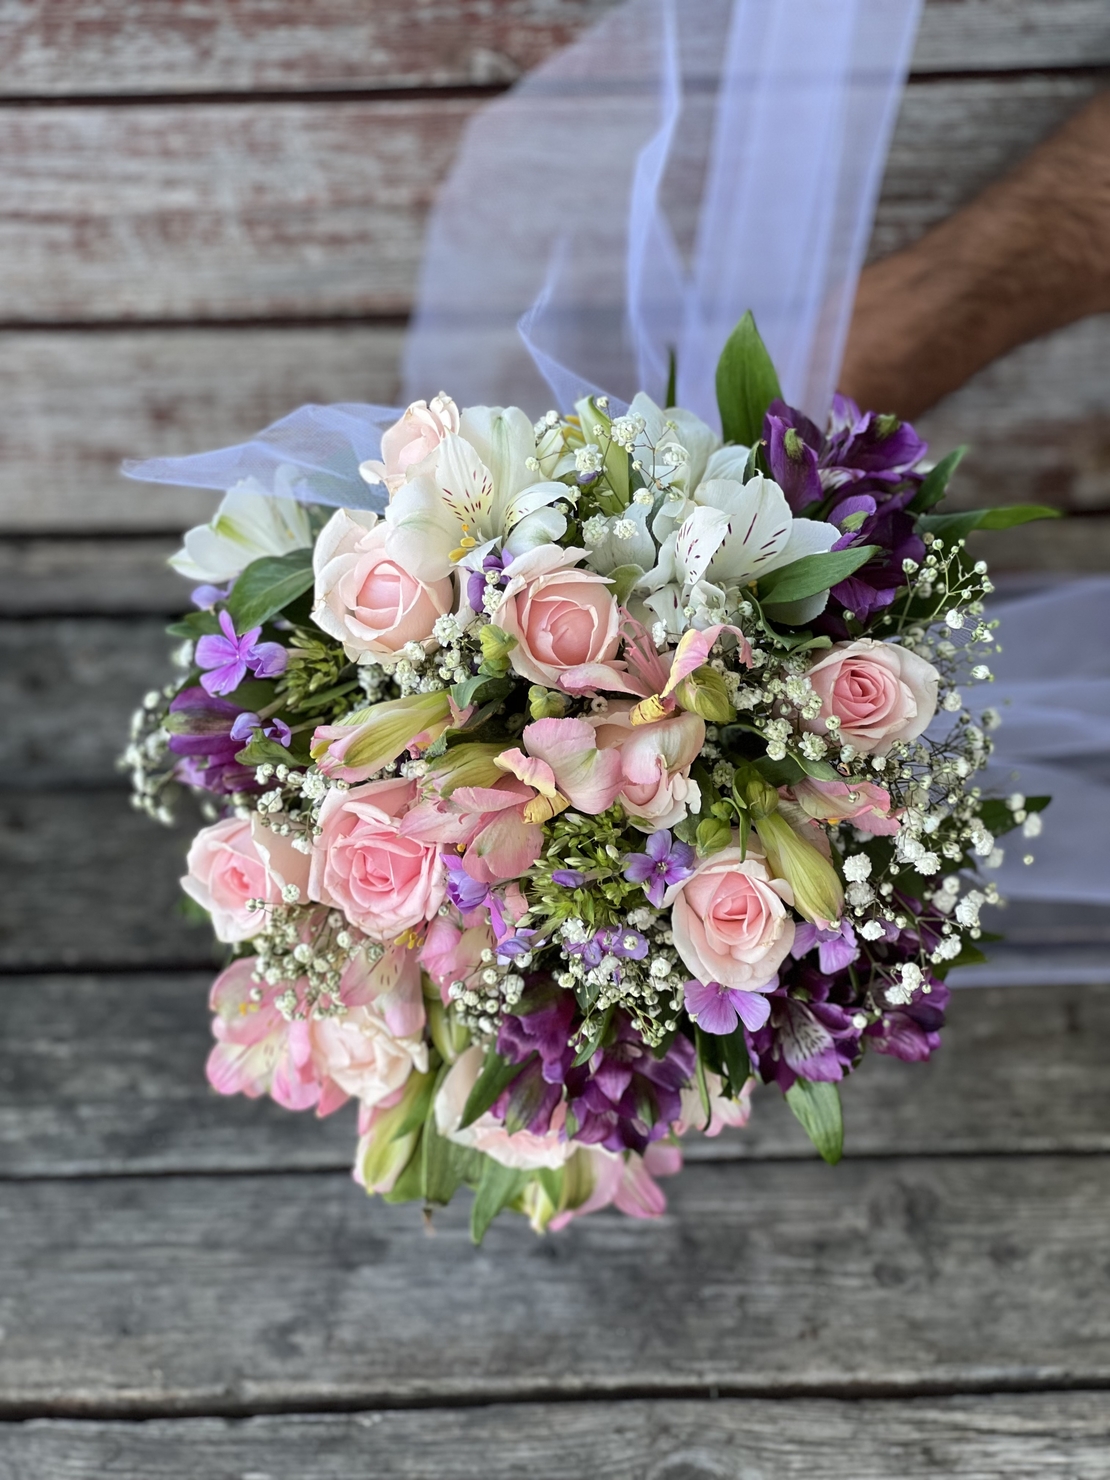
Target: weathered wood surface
{"x":295,"y":210}
{"x":89,"y":577}
{"x":78,"y":403}
{"x":1034,"y":1436}
{"x":67,"y":48}
{"x":220,"y":1295}
{"x":103,"y":1074}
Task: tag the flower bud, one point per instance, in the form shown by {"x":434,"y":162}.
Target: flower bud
{"x":496,"y":647}
{"x":372,"y":738}
{"x":471,"y":764}
{"x":546,"y":703}
{"x":818,"y":896}
{"x":703,"y":692}
{"x":383,"y":1154}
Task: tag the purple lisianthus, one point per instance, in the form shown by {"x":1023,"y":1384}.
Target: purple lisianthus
{"x":664,"y":861}
{"x":871,"y":452}
{"x":273,"y":729}
{"x":200,"y":728}
{"x":718,"y":1009}
{"x":228,"y":659}
{"x":912,"y":1033}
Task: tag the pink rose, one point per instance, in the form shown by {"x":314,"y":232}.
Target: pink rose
{"x":384,"y":883}
{"x":370,"y":1051}
{"x":656,"y":790}
{"x":563,"y":619}
{"x":411,"y":440}
{"x":226,"y":871}
{"x":366,"y":598}
{"x":730,"y":920}
{"x":878,"y":691}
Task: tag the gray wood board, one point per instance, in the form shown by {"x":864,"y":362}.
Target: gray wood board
{"x":295,"y":209}
{"x":104,"y":1074}
{"x":1034,"y":1436}
{"x":78,"y":47}
{"x":79,"y":402}
{"x":220,"y":1295}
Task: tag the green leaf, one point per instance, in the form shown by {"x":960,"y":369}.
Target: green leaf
{"x":817,"y":1106}
{"x":998,"y":818}
{"x":812,"y":574}
{"x":672,"y":377}
{"x":746,"y":384}
{"x":624,"y":578}
{"x":482,"y":683}
{"x":498,"y":1186}
{"x":551,"y":1179}
{"x":734,"y":1051}
{"x":970,"y":955}
{"x":267,"y":585}
{"x":819,"y":770}
{"x":936,"y":482}
{"x":495,"y":1075}
{"x":260,"y":749}
{"x":952,"y":527}
{"x":422,"y":1094}
{"x":194,"y":625}
{"x":445,"y":1164}
{"x":593,"y":1043}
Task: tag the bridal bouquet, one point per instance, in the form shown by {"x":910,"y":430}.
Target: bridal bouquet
{"x":613,"y":770}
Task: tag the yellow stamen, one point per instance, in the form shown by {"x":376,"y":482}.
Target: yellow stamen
{"x":648,"y":711}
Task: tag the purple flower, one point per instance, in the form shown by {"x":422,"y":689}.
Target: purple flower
{"x":912,"y":1033}
{"x":569,"y":878}
{"x":865,"y":521}
{"x":464,"y":891}
{"x":664,"y":862}
{"x":477,"y":585}
{"x":274,"y":729}
{"x":718,"y":1009}
{"x":807,"y":1033}
{"x":206,"y":597}
{"x":626,"y":1096}
{"x":836,"y":949}
{"x":870,"y":452}
{"x":200,"y":727}
{"x":229,"y":658}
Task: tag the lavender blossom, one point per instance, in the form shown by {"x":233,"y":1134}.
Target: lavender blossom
{"x":200,"y":728}
{"x":664,"y":862}
{"x":273,"y":729}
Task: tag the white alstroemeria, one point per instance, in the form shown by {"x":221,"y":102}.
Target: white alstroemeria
{"x":249,"y":523}
{"x":482,"y":491}
{"x":735,"y":533}
{"x":622,"y":540}
{"x":663,"y":431}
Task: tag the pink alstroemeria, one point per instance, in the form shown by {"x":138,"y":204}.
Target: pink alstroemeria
{"x":656,"y":790}
{"x":691,"y":653}
{"x":625,"y":1180}
{"x":230,"y":658}
{"x":861,"y":803}
{"x":486,"y":823}
{"x":564,"y":765}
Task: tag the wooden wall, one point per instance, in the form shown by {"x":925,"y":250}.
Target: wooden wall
{"x":211,"y":212}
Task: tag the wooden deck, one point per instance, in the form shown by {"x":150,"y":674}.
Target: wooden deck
{"x":210,"y":212}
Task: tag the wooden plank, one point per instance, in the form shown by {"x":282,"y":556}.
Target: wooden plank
{"x":223,"y":1295}
{"x":80,"y":402}
{"x":60,"y":574}
{"x":1034,"y":1436}
{"x":104,"y":1074}
{"x":166,"y":211}
{"x":67,"y":48}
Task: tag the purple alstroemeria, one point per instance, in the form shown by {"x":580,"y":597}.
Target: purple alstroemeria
{"x":273,"y":728}
{"x":477,"y":585}
{"x":871,"y":452}
{"x":625,"y":1097}
{"x":912,"y":1033}
{"x":812,"y":1030}
{"x":664,"y":861}
{"x":541,"y":1025}
{"x":866,"y":521}
{"x":230,"y":658}
{"x":719,"y":1010}
{"x":836,"y":949}
{"x":200,"y":727}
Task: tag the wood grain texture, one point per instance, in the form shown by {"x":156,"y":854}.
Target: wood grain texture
{"x":218,"y":1295}
{"x":166,"y":211}
{"x":121,"y":1089}
{"x":1035,"y":1436}
{"x":46,"y":576}
{"x":78,"y":403}
{"x":67,"y":48}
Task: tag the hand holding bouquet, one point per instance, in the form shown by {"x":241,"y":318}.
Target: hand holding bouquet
{"x":612,"y":770}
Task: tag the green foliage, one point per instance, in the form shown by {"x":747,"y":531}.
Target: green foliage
{"x":936,"y":482}
{"x":482,"y":686}
{"x":314,"y":673}
{"x":623,"y":579}
{"x":496,"y":1075}
{"x":268,"y":585}
{"x":812,"y":574}
{"x":998,"y":818}
{"x":817,"y":1107}
{"x":259,"y":750}
{"x":952,"y":527}
{"x":195,"y":624}
{"x":738,"y":1068}
{"x":746,"y":384}
{"x":498,"y":1186}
